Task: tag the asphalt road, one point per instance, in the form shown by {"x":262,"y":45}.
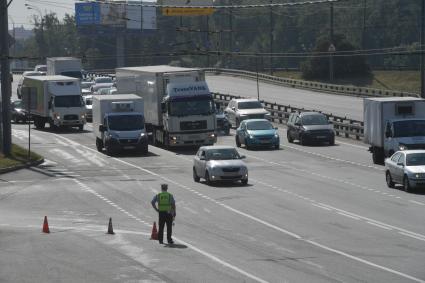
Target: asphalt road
{"x":308,"y":214}
{"x":339,"y":105}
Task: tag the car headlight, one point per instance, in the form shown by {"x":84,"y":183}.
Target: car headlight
{"x":113,"y":136}
{"x":142,"y":135}
{"x":267,"y":114}
{"x":56,"y":116}
{"x":243,"y":115}
{"x":83,"y":116}
{"x":212,"y":135}
{"x":251,"y":136}
{"x":276,"y":135}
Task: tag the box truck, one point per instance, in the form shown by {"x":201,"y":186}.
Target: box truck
{"x":65,"y":66}
{"x":179,"y":108}
{"x":55,"y":100}
{"x":392,"y":124}
{"x":119,"y":123}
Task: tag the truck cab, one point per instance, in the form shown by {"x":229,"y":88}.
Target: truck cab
{"x":67,"y":110}
{"x":401,"y":134}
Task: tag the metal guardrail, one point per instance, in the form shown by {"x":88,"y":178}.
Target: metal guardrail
{"x":316,"y":86}
{"x":343,"y":126}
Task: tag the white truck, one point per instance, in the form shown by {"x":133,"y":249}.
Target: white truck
{"x":119,"y":123}
{"x":179,"y":108}
{"x":55,"y":100}
{"x":65,"y":66}
{"x":392,"y":124}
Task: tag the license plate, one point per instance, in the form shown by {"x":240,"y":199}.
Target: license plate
{"x":321,"y":137}
{"x":194,"y":137}
{"x":129,"y":147}
{"x":264,"y":141}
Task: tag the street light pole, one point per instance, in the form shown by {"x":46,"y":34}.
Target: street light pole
{"x":32,"y":7}
{"x":5,"y":126}
{"x":331,"y":46}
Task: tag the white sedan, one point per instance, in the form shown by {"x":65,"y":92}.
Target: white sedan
{"x":407,"y":168}
{"x":216,"y":163}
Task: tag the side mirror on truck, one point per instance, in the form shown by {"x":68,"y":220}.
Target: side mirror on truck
{"x":387,"y":134}
{"x":102,"y":128}
{"x":163,"y":108}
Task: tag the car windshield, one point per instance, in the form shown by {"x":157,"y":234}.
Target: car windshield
{"x":250,"y":105}
{"x":409,"y":128}
{"x":259,"y":125}
{"x":42,"y":68}
{"x":89,"y":101}
{"x":103,"y":80}
{"x":191,"y":106}
{"x":314,"y":120}
{"x":415,"y":159}
{"x":126,"y":123}
{"x":222,"y":154}
{"x":73,"y":74}
{"x":68,"y":101}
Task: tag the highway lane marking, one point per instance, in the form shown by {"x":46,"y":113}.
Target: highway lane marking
{"x":272,"y":226}
{"x":86,"y":188}
{"x":417,"y":202}
{"x":353,"y":215}
{"x":348,"y":215}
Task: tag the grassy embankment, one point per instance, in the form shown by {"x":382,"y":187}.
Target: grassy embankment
{"x":392,"y":80}
{"x":19,"y":156}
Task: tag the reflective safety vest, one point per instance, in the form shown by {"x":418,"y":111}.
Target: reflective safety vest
{"x":164,"y":201}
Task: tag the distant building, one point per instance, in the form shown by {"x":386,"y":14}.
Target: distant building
{"x":22,"y":33}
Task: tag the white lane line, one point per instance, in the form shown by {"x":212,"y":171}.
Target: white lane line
{"x":417,"y":202}
{"x":379,"y":225}
{"x":353,"y":145}
{"x":322,"y":207}
{"x":276,"y":227}
{"x":198,"y":250}
{"x":348,"y":215}
{"x":412,"y":236}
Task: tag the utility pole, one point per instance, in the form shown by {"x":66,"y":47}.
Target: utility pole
{"x":422,"y":49}
{"x":231,"y":34}
{"x":208,"y":41}
{"x":364,"y":26}
{"x":271,"y":37}
{"x":331,"y":45}
{"x":6,"y":133}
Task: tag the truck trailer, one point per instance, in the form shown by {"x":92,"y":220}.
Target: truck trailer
{"x":55,"y":100}
{"x":392,"y":124}
{"x":65,"y":66}
{"x":119,"y":123}
{"x":179,"y":108}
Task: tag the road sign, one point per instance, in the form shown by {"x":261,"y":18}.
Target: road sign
{"x":187,"y":11}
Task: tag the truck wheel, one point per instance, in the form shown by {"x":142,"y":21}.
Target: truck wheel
{"x":288,"y":136}
{"x":99,"y":144}
{"x":145,"y":150}
{"x":377,"y":156}
{"x":227,"y":131}
{"x":81,"y":128}
{"x":237,"y":123}
{"x":302,"y":140}
{"x":39,"y":123}
{"x":109,"y":150}
{"x":244,"y":181}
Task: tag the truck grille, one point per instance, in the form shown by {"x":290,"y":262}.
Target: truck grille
{"x":70,"y":117}
{"x":256,"y":116}
{"x":193,"y":125}
{"x":128,"y":141}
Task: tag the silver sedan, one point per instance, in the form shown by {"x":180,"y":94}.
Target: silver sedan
{"x":407,"y":168}
{"x":215,"y":163}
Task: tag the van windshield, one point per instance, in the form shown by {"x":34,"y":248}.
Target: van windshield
{"x":409,"y":128}
{"x":126,"y":123}
{"x":68,"y":101}
{"x":73,"y":74}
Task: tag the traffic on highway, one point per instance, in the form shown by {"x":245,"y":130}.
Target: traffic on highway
{"x":259,"y":201}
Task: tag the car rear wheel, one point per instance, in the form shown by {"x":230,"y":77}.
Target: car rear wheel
{"x":99,"y":144}
{"x":195,"y":177}
{"x":389,"y":179}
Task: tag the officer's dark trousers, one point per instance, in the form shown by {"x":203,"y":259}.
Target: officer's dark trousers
{"x":165,"y":218}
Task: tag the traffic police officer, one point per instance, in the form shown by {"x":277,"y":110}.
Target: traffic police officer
{"x":167,"y":212}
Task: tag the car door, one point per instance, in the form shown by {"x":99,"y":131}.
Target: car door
{"x":399,"y":168}
{"x":201,"y":163}
{"x":290,"y":125}
{"x":230,"y":112}
{"x":392,"y":166}
{"x":297,"y":127}
{"x":242,"y":132}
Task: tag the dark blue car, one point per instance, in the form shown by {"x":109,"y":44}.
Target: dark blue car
{"x":257,"y":133}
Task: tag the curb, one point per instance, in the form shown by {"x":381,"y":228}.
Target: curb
{"x":21,"y":166}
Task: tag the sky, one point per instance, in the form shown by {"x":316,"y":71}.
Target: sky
{"x":21,"y":15}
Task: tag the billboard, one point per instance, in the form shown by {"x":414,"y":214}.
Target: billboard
{"x":121,"y":16}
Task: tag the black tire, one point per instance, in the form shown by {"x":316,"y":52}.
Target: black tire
{"x":389,"y":180}
{"x":288,"y":136}
{"x":244,"y":181}
{"x":302,"y":140}
{"x":207,"y":178}
{"x":195,"y":177}
{"x":145,"y":150}
{"x":81,"y":128}
{"x":277,"y":146}
{"x":246,"y":145}
{"x":238,"y":143}
{"x":227,"y":131}
{"x":377,"y":156}
{"x":237,"y":122}
{"x":109,"y":150}
{"x":332,"y":141}
{"x":406,"y":185}
{"x":39,"y":123}
{"x":99,"y":144}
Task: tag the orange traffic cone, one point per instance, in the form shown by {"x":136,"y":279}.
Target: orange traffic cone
{"x":110,"y":229}
{"x":154,"y":235}
{"x":46,"y":225}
